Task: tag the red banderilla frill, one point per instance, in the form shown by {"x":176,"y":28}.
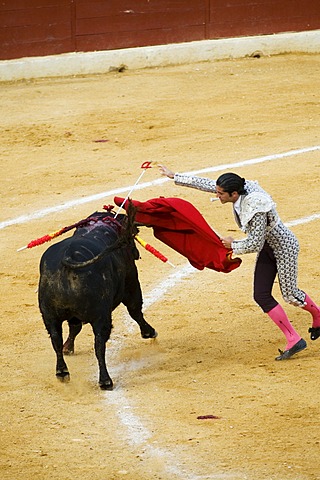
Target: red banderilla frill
{"x":152,"y":250}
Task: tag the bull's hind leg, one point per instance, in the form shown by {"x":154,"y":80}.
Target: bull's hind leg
{"x":55,"y":331}
{"x":102,"y":330}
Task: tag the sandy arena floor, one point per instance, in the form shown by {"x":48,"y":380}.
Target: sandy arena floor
{"x":215,"y":351}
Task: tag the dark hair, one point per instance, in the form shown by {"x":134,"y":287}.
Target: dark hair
{"x":231,"y":182}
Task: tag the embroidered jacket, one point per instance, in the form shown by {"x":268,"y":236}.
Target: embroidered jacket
{"x":258,"y":217}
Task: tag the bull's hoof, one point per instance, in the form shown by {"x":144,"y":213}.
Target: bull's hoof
{"x":68,"y":351}
{"x":68,"y":348}
{"x":106,"y":385}
{"x":63,"y":376}
{"x":152,"y":334}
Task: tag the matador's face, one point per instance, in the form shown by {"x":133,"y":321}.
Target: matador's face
{"x":226,"y":197}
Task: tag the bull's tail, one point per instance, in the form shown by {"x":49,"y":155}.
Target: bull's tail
{"x":70,"y":262}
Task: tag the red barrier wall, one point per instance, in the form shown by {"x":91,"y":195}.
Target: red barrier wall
{"x":47,"y":27}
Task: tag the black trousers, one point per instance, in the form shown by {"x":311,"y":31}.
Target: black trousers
{"x":264,"y":277}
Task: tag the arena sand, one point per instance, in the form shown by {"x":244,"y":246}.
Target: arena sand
{"x":65,"y":139}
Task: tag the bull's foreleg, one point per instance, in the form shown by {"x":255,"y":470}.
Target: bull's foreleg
{"x":133,"y":301}
{"x":101,"y":336}
{"x":146,"y":330}
{"x":74,"y":330}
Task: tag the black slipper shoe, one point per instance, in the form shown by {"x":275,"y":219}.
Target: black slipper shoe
{"x":314,"y":332}
{"x":297,"y":347}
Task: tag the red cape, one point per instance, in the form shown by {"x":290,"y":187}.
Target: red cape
{"x":178,"y":224}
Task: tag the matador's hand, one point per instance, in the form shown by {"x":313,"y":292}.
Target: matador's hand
{"x":227,"y":241}
{"x":165,"y":171}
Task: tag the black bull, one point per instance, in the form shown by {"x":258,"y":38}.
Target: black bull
{"x":83,"y":279}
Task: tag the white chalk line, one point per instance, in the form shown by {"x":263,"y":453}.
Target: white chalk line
{"x":300,"y":221}
{"x":116,"y":191}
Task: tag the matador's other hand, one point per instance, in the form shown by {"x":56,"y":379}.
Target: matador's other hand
{"x":227,"y":241}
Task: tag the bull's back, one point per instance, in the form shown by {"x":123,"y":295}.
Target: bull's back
{"x":82,"y":292}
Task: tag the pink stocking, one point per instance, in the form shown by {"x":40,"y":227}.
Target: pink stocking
{"x":279,"y":316}
{"x":312,"y":308}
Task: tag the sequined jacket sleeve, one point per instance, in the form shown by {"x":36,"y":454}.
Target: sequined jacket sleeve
{"x":200,"y":183}
{"x":256,"y":235}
